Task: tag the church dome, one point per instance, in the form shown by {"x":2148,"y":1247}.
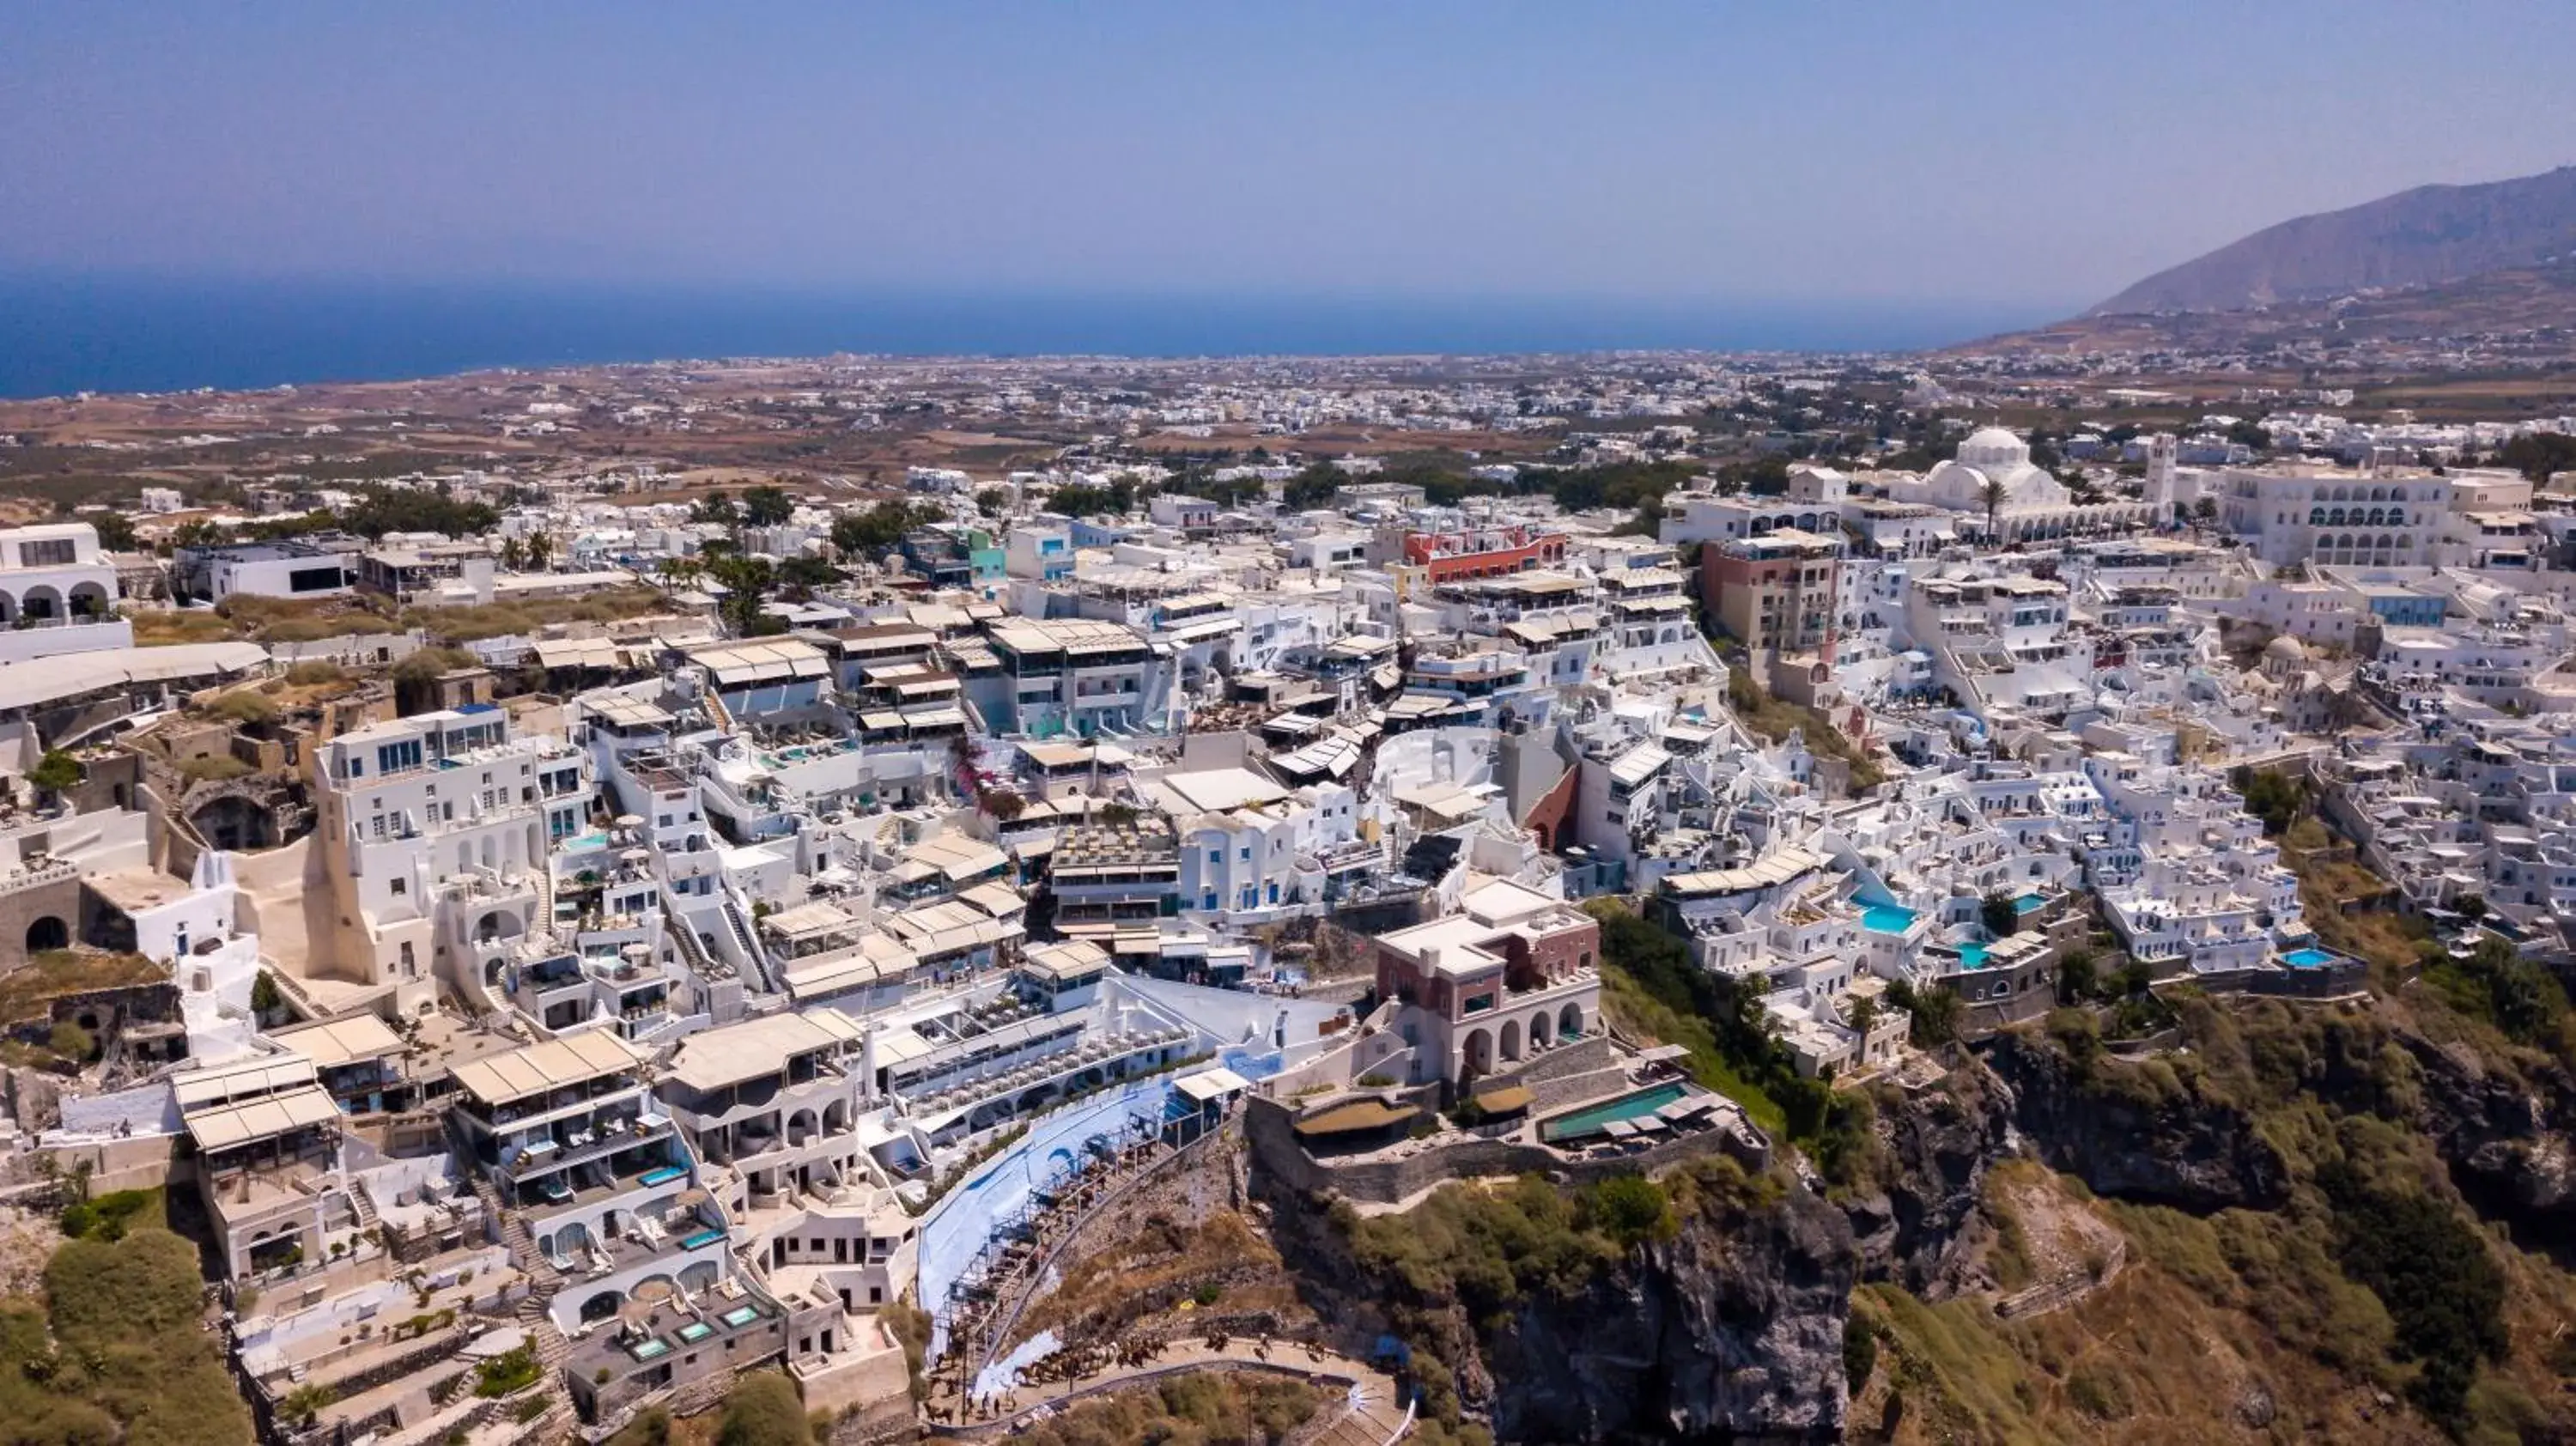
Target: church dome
{"x":2285,"y":648}
{"x":1994,"y":448}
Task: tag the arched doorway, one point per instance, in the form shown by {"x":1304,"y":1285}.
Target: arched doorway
{"x":48,"y":932}
{"x":1569,"y":1022}
{"x":1479,"y":1053}
{"x":1511,"y":1039}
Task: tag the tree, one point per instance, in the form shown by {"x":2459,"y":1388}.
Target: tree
{"x":717,"y":508}
{"x":55,"y":772}
{"x":746,"y":581}
{"x":115,"y":531}
{"x":1993,"y":495}
{"x":801,"y":575}
{"x":2540,"y":455}
{"x":1863,"y":1015}
{"x":541,"y":551}
{"x":680,"y":574}
{"x":1935,"y":1012}
{"x":993,"y":501}
{"x":1999,"y":916}
{"x":2077,"y":977}
{"x":763,"y":1409}
{"x":514,"y":554}
{"x":2205,"y":510}
{"x":865,"y":534}
{"x":767,"y":506}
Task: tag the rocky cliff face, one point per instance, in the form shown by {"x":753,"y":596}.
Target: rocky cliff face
{"x":2169,"y":1147}
{"x":1912,"y":1229}
{"x":1730,"y":1331}
{"x":2510,"y":1142}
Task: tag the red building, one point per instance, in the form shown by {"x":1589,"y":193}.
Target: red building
{"x":1484,"y":552}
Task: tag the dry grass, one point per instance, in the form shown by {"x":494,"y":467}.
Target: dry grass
{"x":496,"y":620}
{"x":24,"y":993}
{"x":1160,"y":1258}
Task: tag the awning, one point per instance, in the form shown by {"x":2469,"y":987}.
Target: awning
{"x":229,"y":1126}
{"x":1509,"y":1100}
{"x":1356,"y":1117}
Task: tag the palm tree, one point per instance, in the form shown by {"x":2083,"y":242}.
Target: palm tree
{"x":541,"y":550}
{"x":682,"y":573}
{"x":1992,"y":494}
{"x":514,"y":554}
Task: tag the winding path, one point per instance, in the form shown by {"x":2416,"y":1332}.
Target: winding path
{"x":1371,"y":1416}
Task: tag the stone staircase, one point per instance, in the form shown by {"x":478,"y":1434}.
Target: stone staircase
{"x":552,"y":1351}
{"x":693,"y":948}
{"x":543,"y":1278}
{"x":363,"y":1207}
{"x":1372,"y":1418}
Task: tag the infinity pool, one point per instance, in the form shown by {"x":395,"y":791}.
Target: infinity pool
{"x":1887,"y":918}
{"x":1583,"y":1123}
{"x":2307,"y":958}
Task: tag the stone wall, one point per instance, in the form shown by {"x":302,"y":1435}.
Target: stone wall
{"x":39,"y":913}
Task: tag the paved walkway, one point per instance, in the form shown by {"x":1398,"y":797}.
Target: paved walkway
{"x":1372,"y":1415}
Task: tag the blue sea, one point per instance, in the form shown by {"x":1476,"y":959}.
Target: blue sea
{"x":134,"y":335}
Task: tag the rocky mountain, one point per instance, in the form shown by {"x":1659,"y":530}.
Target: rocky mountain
{"x":2428,"y":236}
{"x":2524,"y":314}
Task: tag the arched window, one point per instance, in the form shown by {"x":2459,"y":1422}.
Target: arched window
{"x":2316,"y":517}
{"x":2397,"y":517}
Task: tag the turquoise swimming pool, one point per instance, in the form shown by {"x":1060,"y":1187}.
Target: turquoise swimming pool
{"x":2307,"y":958}
{"x":1585,"y":1123}
{"x":2029,"y":903}
{"x":1887,"y":918}
{"x":1972,"y":956}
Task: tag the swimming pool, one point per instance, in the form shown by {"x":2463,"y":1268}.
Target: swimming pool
{"x":2029,"y":904}
{"x":701,"y":1239}
{"x":2307,"y":958}
{"x":1583,"y":1123}
{"x":1887,"y":918}
{"x":1972,"y":956}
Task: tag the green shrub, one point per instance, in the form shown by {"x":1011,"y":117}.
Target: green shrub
{"x":651,"y":1427}
{"x":2432,"y":1271}
{"x":509,"y":1372}
{"x":1630,"y":1209}
{"x":763,"y":1409}
{"x":1860,"y":1350}
{"x":71,"y":1042}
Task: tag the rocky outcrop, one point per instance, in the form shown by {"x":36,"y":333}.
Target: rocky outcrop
{"x":2126,"y":1135}
{"x":2510,"y":1141}
{"x":1730,"y":1331}
{"x":1935,"y":1144}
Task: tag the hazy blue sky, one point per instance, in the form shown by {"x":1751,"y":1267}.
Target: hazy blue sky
{"x":2020,"y":153}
